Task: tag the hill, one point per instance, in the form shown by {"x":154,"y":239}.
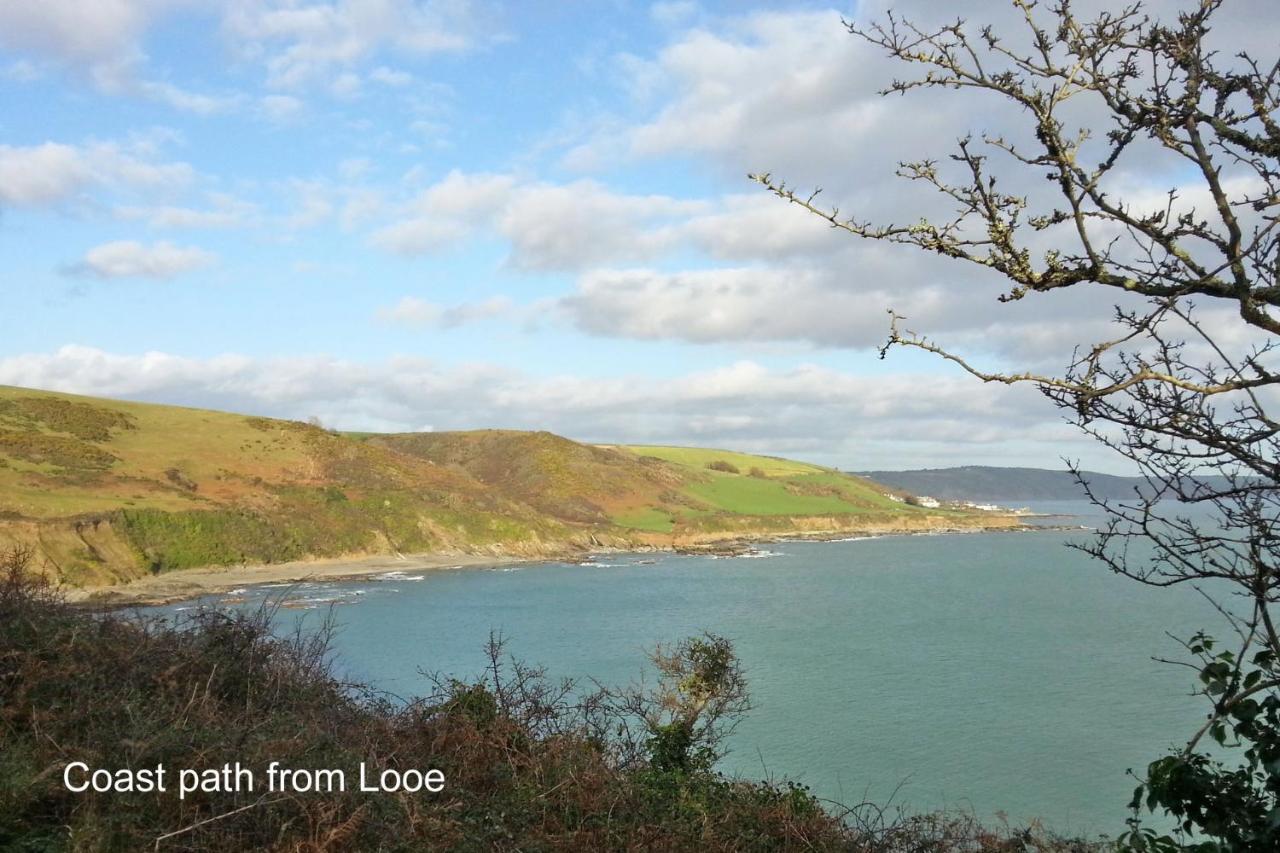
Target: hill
{"x":722,"y":481}
{"x":979,"y":482}
{"x":107,"y":491}
{"x":561,"y":478}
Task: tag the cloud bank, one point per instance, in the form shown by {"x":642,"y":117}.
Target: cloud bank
{"x":809,"y":411}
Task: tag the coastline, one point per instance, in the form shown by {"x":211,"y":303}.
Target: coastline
{"x":188,"y":584}
{"x":194,"y":583}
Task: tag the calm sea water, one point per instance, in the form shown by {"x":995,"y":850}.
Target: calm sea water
{"x":992,"y":672}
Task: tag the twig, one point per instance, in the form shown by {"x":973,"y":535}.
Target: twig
{"x":207,"y":820}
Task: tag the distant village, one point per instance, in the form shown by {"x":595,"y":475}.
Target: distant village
{"x":928,"y":502}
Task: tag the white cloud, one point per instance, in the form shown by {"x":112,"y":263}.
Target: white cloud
{"x":466,"y":197}
{"x":346,"y":85}
{"x":808,"y":411}
{"x":41,"y":174}
{"x":224,"y":211}
{"x":445,"y":213}
{"x":104,"y":31}
{"x":559,"y":227}
{"x":787,"y":91}
{"x":280,"y":108}
{"x":304,"y":42}
{"x":418,"y":235}
{"x":548,"y":226}
{"x":103,"y":40}
{"x":734,"y":305}
{"x":414,"y":312}
{"x":390,"y":76}
{"x":114,"y":164}
{"x":757,"y":225}
{"x":778,"y":274}
{"x":178,"y":97}
{"x":834,"y":307}
{"x":313,"y":204}
{"x":673,"y":12}
{"x":796,"y":94}
{"x":54,"y":172}
{"x":131,"y":259}
{"x":576,"y":225}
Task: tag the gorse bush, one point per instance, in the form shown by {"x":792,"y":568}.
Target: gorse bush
{"x":529,"y":763}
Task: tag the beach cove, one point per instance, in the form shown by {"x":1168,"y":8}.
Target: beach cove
{"x":897,"y":675}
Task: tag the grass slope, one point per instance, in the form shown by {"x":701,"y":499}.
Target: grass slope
{"x":107,"y":490}
{"x":722,"y":481}
{"x":699,"y":457}
{"x":559,"y":477}
{"x":89,"y":480}
{"x":646,"y":488}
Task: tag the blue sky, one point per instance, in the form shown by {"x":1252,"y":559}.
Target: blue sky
{"x":404,"y":214}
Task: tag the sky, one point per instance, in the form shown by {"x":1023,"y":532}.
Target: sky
{"x":446,"y":214}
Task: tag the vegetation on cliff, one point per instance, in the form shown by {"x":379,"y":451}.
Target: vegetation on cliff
{"x":106,"y":491}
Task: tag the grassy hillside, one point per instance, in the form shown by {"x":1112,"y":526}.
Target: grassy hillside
{"x":556,"y":476}
{"x":107,"y":491}
{"x":720,"y":481}
{"x":700,"y":457}
{"x":643,"y":488}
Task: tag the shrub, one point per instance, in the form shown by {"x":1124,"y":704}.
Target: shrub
{"x":83,"y":420}
{"x":722,"y":465}
{"x":56,"y":450}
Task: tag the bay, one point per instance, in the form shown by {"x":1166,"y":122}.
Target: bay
{"x":995,"y":673}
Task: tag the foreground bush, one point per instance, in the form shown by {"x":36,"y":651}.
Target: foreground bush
{"x":528,"y":765}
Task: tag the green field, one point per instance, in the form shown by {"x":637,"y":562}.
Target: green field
{"x":648,"y":518}
{"x":764,"y":485}
{"x":735,"y":493}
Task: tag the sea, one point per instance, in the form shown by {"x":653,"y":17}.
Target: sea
{"x":1002,"y":674}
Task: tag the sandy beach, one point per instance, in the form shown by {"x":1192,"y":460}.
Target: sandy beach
{"x":193,"y":583}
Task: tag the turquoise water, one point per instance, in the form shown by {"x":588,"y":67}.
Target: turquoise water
{"x":993,"y":672}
